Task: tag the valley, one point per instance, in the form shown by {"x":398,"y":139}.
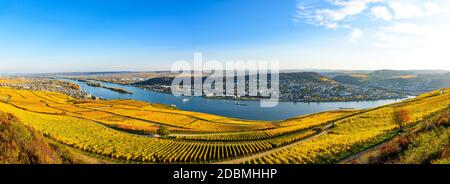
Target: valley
{"x":127,"y":130}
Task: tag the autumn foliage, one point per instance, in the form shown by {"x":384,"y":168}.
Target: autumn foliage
{"x":20,"y":144}
{"x":402,"y":117}
{"x":97,"y":127}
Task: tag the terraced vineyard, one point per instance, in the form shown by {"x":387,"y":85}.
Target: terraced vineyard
{"x":127,"y":114}
{"x":283,"y":128}
{"x":123,"y":129}
{"x":357,"y":132}
{"x":95,"y":138}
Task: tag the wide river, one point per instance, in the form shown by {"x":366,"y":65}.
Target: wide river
{"x":250,"y":110}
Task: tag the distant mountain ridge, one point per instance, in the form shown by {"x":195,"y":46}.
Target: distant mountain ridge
{"x":311,"y":76}
{"x":411,"y":82}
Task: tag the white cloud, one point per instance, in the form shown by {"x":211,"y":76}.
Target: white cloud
{"x":407,"y":23}
{"x":349,"y":8}
{"x":330,"y":18}
{"x":381,"y":12}
{"x":418,"y":45}
{"x":413,"y":36}
{"x":355,"y":35}
{"x":413,"y":8}
{"x":333,"y":13}
{"x":411,"y":29}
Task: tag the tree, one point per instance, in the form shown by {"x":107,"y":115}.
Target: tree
{"x":402,"y":117}
{"x":163,"y":130}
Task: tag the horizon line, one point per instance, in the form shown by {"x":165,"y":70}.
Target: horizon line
{"x":149,"y":71}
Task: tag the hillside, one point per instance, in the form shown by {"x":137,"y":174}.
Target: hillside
{"x":299,"y":86}
{"x":23,"y":145}
{"x":306,"y":76}
{"x":410,"y":82}
{"x":424,"y":143}
{"x":127,"y":130}
{"x":349,"y":79}
{"x":164,"y":81}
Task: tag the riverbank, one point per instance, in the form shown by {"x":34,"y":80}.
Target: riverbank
{"x":98,"y":85}
{"x":249,"y":110}
{"x":251,"y":98}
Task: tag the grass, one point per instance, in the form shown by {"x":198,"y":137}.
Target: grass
{"x":419,"y":143}
{"x":21,"y":144}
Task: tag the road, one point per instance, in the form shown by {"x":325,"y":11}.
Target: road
{"x":349,"y":160}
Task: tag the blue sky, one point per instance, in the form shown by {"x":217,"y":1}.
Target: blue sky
{"x":105,"y":35}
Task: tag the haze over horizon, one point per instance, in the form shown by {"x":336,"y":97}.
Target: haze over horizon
{"x":51,"y":36}
{"x":281,"y":71}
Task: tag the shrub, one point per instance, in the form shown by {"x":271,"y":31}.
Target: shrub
{"x":403,"y":141}
{"x":428,"y":125}
{"x":426,"y":146}
{"x":444,"y":121}
{"x":390,"y":149}
{"x":387,"y":152}
{"x":402,"y":117}
{"x":446,"y":153}
{"x":163,"y":130}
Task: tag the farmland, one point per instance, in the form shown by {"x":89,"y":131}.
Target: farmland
{"x":126,"y":130}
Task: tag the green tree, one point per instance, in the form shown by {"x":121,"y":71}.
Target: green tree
{"x":163,"y":130}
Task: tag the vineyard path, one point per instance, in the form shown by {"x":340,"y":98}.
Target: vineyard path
{"x":255,"y":156}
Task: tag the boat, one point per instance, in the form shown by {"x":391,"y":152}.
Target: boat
{"x":185,"y":100}
{"x":239,"y":103}
{"x":346,"y":108}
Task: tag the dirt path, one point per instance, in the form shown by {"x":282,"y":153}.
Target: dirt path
{"x":355,"y":156}
{"x":326,"y":129}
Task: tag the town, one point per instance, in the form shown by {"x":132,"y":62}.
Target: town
{"x":293,"y":87}
{"x":53,"y":85}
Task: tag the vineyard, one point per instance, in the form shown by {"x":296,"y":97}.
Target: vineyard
{"x":356,"y":132}
{"x":127,"y":114}
{"x":124,"y":130}
{"x":95,"y":138}
{"x":284,"y":128}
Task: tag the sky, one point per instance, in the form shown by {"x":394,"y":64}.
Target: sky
{"x":137,"y":35}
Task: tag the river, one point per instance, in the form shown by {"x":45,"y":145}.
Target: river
{"x":249,"y":110}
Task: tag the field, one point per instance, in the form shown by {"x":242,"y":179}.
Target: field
{"x":126,"y":130}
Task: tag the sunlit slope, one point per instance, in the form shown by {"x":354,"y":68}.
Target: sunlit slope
{"x":282,"y":128}
{"x":23,"y":145}
{"x":126,"y":114}
{"x":115,"y":129}
{"x":354,"y":133}
{"x":93,"y":137}
{"x":70,"y":123}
